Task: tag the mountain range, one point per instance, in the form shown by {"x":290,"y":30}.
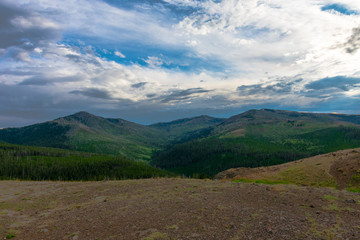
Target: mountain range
{"x":199,"y":146}
{"x":83,"y":131}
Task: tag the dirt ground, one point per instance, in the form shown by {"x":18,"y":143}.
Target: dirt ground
{"x":175,"y":209}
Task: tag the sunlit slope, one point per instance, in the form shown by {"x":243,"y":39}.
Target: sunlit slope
{"x":339,"y":169}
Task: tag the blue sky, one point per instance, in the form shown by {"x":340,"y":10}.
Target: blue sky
{"x":158,"y":60}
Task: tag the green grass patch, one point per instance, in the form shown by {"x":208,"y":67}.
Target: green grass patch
{"x":261,"y":181}
{"x":353,"y":189}
{"x":329,"y":197}
{"x":302,"y":175}
{"x":332,"y":207}
{"x":9,"y":236}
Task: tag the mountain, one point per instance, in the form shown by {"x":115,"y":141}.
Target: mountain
{"x":260,"y":138}
{"x":339,"y":169}
{"x":200,"y":146}
{"x":86,"y":132}
{"x":184,"y":128}
{"x":297,"y":119}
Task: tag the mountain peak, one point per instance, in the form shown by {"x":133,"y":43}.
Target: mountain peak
{"x":82,"y":114}
{"x":80,"y":118}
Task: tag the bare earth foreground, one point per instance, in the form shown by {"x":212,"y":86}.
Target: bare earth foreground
{"x":175,"y":209}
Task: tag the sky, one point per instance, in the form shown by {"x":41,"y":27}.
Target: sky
{"x":158,"y":60}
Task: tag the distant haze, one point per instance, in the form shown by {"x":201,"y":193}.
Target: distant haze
{"x":148,"y":61}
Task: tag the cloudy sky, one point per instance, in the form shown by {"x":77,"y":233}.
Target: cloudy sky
{"x":159,"y":60}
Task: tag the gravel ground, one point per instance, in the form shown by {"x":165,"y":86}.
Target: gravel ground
{"x":175,"y":209}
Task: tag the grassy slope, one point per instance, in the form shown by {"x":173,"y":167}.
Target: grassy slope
{"x":339,"y":170}
{"x":261,"y":138}
{"x":37,"y":163}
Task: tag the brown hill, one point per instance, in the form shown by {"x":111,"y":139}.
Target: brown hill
{"x":339,"y":169}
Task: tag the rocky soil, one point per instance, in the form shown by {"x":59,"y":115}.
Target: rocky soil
{"x":175,"y":209}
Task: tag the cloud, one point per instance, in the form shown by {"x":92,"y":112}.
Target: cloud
{"x":48,"y":80}
{"x":93,"y":93}
{"x":23,"y":31}
{"x":353,"y":43}
{"x":249,"y":35}
{"x":151,"y":95}
{"x":139,"y":85}
{"x":275,"y":87}
{"x":119,"y":54}
{"x":154,"y":62}
{"x":340,"y":82}
{"x":339,"y":8}
{"x":180,"y":95}
{"x":83,"y":59}
{"x":184,"y":57}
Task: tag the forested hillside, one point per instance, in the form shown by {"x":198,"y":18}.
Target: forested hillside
{"x":37,"y":163}
{"x":260,"y":138}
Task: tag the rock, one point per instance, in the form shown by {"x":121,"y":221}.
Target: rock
{"x":350,"y":201}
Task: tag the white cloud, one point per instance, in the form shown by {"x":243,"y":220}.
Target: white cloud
{"x":119,"y":54}
{"x":154,"y":62}
{"x":33,"y":22}
{"x":262,"y":43}
{"x":257,"y":36}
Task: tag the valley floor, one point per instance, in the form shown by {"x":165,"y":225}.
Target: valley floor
{"x":175,"y":209}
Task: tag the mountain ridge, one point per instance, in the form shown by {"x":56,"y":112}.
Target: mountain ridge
{"x":201,"y":144}
{"x":84,"y":131}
